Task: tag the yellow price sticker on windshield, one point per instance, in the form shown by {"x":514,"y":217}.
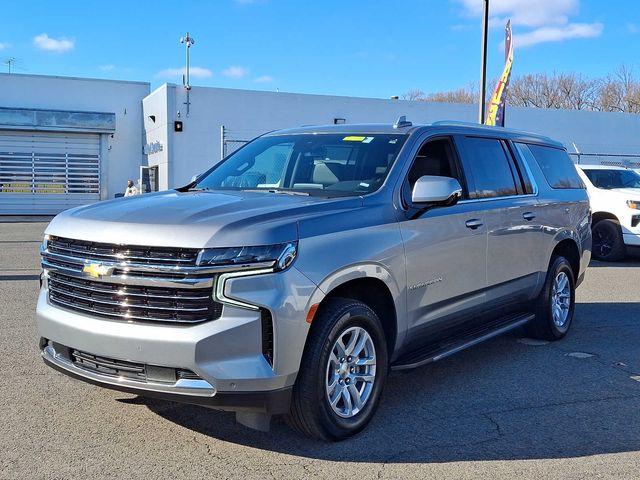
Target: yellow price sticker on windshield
{"x":355,"y":138}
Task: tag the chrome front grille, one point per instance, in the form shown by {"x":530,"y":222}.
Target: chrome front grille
{"x":163,"y":256}
{"x":133,"y":302}
{"x":130,"y":283}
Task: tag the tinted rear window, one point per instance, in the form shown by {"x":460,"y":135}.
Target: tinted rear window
{"x":556,"y":166}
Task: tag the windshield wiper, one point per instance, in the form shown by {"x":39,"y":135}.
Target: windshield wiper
{"x":277,"y":190}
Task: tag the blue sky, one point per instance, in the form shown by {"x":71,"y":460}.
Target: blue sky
{"x":369,"y":48}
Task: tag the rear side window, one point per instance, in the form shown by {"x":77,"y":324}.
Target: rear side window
{"x":555,"y":164}
{"x":488,"y":169}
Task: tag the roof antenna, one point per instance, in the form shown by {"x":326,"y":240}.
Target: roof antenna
{"x":402,"y":122}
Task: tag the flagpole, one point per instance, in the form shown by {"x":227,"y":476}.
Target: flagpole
{"x":483,"y":61}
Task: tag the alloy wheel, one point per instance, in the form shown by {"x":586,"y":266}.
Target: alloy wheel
{"x":560,"y":299}
{"x":351,"y":372}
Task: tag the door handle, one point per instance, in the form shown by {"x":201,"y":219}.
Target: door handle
{"x":528,"y":216}
{"x":473,"y":223}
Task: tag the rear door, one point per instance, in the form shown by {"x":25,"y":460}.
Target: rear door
{"x":499,"y":181}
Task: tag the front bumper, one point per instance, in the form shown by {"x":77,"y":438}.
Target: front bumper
{"x":227,"y":353}
{"x":194,"y":392}
{"x":631,"y":239}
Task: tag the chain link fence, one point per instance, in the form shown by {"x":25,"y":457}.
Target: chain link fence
{"x":232,"y":140}
{"x":609,"y":159}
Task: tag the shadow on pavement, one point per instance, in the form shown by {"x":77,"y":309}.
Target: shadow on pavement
{"x":501,"y":400}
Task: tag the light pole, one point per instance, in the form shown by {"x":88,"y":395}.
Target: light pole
{"x":483,"y":60}
{"x":188,"y":41}
{"x":8,"y":62}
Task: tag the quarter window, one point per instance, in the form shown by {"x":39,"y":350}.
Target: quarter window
{"x":555,"y":164}
{"x":488,"y":169}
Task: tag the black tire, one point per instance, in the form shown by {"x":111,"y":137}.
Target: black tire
{"x":543,"y":326}
{"x":311,"y":413}
{"x":608,"y":245}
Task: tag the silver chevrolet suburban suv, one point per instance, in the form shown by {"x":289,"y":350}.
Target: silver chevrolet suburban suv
{"x":294,"y":275}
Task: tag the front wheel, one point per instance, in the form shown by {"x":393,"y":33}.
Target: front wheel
{"x":342,"y":373}
{"x":556,"y":302}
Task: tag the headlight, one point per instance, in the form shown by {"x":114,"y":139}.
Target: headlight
{"x":279,"y":256}
{"x":635,"y":204}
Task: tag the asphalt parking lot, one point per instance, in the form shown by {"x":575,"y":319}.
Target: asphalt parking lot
{"x":510,"y":408}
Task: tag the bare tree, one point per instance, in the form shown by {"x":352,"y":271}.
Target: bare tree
{"x":415,"y":94}
{"x":462,"y":95}
{"x":618,"y":92}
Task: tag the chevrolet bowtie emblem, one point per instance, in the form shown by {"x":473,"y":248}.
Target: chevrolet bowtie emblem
{"x":96,"y":270}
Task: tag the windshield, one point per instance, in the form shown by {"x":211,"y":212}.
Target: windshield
{"x":313,"y":164}
{"x":613,"y":178}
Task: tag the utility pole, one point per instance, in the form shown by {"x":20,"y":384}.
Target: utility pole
{"x":8,"y":62}
{"x":483,"y":61}
{"x":188,"y":41}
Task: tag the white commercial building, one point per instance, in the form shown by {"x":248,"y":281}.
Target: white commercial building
{"x":68,"y":141}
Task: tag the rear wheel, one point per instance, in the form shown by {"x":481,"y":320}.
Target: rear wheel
{"x":608,"y":245}
{"x":556,"y":303}
{"x":342,"y":372}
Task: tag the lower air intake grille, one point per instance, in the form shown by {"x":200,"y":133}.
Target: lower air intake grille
{"x":267,"y":335}
{"x":129,"y":370}
{"x":109,"y":366}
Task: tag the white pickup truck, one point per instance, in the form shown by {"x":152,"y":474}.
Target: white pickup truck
{"x":614,"y":193}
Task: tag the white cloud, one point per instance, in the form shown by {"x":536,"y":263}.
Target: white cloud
{"x":58,"y":45}
{"x":107,"y":68}
{"x":4,"y":45}
{"x":546,"y":20}
{"x":632,"y":28}
{"x":529,"y":13}
{"x":264,"y":79}
{"x":557,"y":34}
{"x":197,"y":72}
{"x":235,"y":71}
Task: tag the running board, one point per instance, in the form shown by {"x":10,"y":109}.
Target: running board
{"x":446,"y":348}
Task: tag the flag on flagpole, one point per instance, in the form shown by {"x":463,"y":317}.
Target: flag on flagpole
{"x":499,"y":97}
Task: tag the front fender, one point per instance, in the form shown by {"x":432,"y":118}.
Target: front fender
{"x":363,"y":270}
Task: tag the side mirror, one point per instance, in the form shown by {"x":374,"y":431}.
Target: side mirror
{"x":433,"y":190}
{"x":194,"y":178}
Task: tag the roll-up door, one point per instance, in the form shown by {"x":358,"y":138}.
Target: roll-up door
{"x":47,"y":172}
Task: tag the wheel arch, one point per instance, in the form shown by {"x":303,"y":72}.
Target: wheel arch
{"x":568,"y":248}
{"x":601,"y":215}
{"x":373,"y":285}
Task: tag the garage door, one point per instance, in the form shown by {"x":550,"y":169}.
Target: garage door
{"x":46,"y":172}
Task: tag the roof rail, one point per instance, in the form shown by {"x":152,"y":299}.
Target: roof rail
{"x":458,"y":122}
{"x":402,"y":122}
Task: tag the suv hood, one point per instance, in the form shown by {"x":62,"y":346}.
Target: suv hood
{"x":196,"y":219}
{"x":631,"y":193}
